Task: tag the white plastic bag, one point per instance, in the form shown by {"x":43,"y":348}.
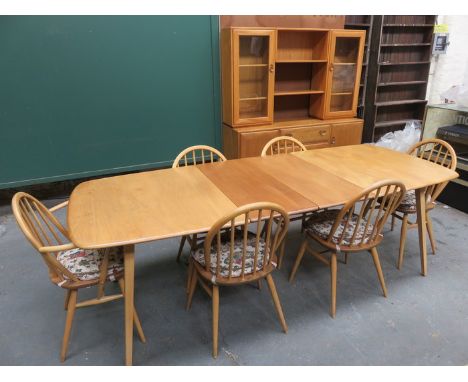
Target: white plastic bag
{"x":402,"y":140}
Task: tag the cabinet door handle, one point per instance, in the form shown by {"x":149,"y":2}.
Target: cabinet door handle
{"x":333,"y":141}
{"x":272,"y":68}
{"x":331,"y":68}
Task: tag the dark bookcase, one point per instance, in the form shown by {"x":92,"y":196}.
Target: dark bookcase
{"x":395,"y":70}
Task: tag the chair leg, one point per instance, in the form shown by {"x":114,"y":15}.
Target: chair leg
{"x":404,"y":229}
{"x":282,"y":248}
{"x":431,"y":233}
{"x":346,"y":258}
{"x":189,"y":275}
{"x":136,"y":319}
{"x":303,"y":222}
{"x":215,"y":320}
{"x":276,"y":301}
{"x":375,"y":257}
{"x":68,"y":324}
{"x":181,"y":247}
{"x":67,"y":298}
{"x":393,"y":223}
{"x":333,"y":266}
{"x":193,"y":285}
{"x":259,"y":284}
{"x":299,"y":257}
{"x":193,"y":244}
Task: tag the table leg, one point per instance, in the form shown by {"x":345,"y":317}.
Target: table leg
{"x":129,"y":276}
{"x":421,"y":214}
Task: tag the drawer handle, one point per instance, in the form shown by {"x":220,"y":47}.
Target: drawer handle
{"x":322,"y":132}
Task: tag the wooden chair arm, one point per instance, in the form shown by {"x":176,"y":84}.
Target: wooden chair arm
{"x":57,"y":248}
{"x":59,"y":206}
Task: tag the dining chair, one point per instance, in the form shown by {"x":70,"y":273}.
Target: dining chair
{"x":284,"y":145}
{"x":356,"y":227}
{"x":231,"y":256}
{"x":194,"y":155}
{"x":436,"y":151}
{"x":69,"y":267}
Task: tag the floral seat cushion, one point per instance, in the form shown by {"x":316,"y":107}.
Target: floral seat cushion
{"x":321,"y":223}
{"x":199,"y":256}
{"x":408,"y":203}
{"x":85,"y":263}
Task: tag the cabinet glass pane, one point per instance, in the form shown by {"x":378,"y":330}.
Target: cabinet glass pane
{"x":340,"y":102}
{"x":344,"y":73}
{"x":253,"y":76}
{"x":253,"y":108}
{"x":253,"y":82}
{"x":346,"y":49}
{"x":344,"y":77}
{"x":253,"y":50}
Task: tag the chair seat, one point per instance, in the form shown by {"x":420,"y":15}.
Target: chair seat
{"x":408,"y":203}
{"x":84,"y":263}
{"x":321,"y":223}
{"x":199,"y":256}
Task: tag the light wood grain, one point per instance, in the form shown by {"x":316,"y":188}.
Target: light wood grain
{"x":142,"y":207}
{"x":244,"y":183}
{"x":323,"y":188}
{"x":365,"y":164}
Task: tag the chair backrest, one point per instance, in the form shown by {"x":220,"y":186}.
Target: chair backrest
{"x":196,"y":154}
{"x":361,"y":219}
{"x":282,"y":145}
{"x":270,"y":232}
{"x":44,"y":231}
{"x":439,"y":152}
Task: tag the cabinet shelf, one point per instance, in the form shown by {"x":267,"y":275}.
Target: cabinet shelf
{"x":341,"y":93}
{"x":379,"y":125}
{"x":409,"y":25}
{"x":298,"y":92}
{"x":252,"y":98}
{"x":344,"y":63}
{"x":405,"y":63}
{"x":407,"y":44}
{"x":400,"y":83}
{"x":292,"y":61}
{"x":399,"y":102}
{"x":253,"y":65}
{"x":357,"y":24}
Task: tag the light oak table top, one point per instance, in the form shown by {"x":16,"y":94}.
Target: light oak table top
{"x":363,"y":165}
{"x":153,"y":205}
{"x":141,"y":207}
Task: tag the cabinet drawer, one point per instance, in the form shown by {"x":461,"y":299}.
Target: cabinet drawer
{"x":309,"y":135}
{"x":317,"y":145}
{"x":251,"y":144}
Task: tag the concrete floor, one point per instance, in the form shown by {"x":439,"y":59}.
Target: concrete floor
{"x":424,"y":320}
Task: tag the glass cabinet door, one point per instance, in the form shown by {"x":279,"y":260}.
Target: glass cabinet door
{"x":345,"y":73}
{"x":253,"y":75}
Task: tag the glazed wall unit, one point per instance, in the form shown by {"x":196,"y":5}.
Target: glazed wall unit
{"x":279,"y":81}
{"x":361,"y":22}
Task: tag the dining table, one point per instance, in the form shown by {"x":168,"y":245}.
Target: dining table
{"x":126,"y":210}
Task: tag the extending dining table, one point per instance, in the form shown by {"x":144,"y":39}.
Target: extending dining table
{"x":135,"y":208}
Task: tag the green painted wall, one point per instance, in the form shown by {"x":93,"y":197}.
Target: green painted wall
{"x":90,"y":95}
